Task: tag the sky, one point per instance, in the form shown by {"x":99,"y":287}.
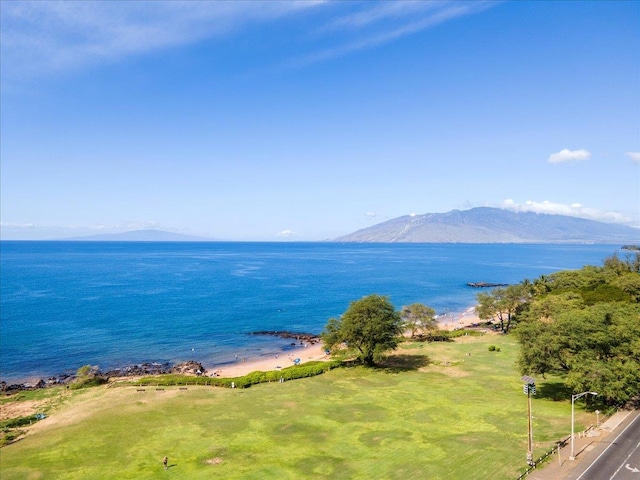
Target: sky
{"x":307,"y":120}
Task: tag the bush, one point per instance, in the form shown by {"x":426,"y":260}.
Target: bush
{"x":88,"y":382}
{"x":9,"y":436}
{"x":310,"y":369}
{"x":87,"y":376}
{"x":492,"y":348}
{"x":445,"y":335}
{"x":19,"y":422}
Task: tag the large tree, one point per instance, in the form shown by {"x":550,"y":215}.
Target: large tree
{"x":586,"y":326}
{"x":502,"y":303}
{"x":419,"y":317}
{"x":370,"y":327}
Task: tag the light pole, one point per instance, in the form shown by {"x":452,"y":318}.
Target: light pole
{"x":573,"y":399}
{"x":529,"y":388}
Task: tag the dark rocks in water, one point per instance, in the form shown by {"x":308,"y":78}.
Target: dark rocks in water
{"x":148,"y":368}
{"x":300,"y":337}
{"x":19,"y":387}
{"x":486,"y":284}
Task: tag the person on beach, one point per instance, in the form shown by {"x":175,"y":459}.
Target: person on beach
{"x":165,"y":462}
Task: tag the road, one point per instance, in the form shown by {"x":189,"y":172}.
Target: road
{"x":616,"y":458}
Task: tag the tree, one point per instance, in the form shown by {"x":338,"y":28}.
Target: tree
{"x":502,"y":303}
{"x":369,"y":328}
{"x":596,"y":346}
{"x":585,"y":325}
{"x":419,"y":317}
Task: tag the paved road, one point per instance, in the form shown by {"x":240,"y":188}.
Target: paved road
{"x":616,"y":458}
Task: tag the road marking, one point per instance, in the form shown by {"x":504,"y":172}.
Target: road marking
{"x":608,"y":447}
{"x":625,"y":461}
{"x":634,"y":469}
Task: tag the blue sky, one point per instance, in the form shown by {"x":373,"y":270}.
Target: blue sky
{"x":309,"y":120}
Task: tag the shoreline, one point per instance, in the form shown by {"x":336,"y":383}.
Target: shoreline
{"x":457,"y":320}
{"x":308,"y":347}
{"x":307,"y":353}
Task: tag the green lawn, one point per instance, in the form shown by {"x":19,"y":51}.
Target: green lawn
{"x":459,"y":417}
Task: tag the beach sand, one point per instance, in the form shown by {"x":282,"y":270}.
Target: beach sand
{"x":460,"y":320}
{"x":305,"y":354}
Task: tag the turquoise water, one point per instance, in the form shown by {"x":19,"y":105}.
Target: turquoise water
{"x":67,"y":304}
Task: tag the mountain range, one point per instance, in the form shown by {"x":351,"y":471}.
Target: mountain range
{"x":493,"y":225}
{"x":141,"y":236}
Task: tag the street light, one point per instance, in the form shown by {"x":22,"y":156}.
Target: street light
{"x":529,"y":388}
{"x":573,"y":399}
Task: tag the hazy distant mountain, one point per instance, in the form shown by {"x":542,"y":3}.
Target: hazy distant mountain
{"x":141,"y":236}
{"x":494,"y":225}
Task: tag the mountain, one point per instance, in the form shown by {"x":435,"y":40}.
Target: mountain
{"x":493,"y":225}
{"x":140,"y":236}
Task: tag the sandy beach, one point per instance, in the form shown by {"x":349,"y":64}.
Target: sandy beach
{"x":305,"y":354}
{"x":459,"y":320}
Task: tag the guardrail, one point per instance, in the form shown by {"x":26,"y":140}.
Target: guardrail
{"x":541,"y":459}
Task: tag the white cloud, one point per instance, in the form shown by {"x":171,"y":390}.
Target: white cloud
{"x":567,"y":155}
{"x":572,"y":210}
{"x":54,"y":36}
{"x":370,"y":214}
{"x":49,"y":36}
{"x":634,"y":156}
{"x":286,"y":233}
{"x":380,"y":23}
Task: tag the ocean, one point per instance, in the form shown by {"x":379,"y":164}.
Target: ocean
{"x":112,"y":304}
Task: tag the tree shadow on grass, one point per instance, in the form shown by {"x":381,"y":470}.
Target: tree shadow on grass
{"x":555,"y":391}
{"x":403,"y":363}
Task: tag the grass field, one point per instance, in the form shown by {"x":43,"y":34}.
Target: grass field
{"x":436,"y":412}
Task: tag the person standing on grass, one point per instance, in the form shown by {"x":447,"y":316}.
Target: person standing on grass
{"x":165,"y":462}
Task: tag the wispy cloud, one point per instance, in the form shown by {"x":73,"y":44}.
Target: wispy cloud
{"x":53,"y":36}
{"x":573,"y":210}
{"x":567,"y":155}
{"x":44,"y":36}
{"x":377,"y":23}
{"x":634,"y":156}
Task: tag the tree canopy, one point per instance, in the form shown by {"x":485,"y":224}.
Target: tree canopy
{"x":370,"y":327}
{"x":585,"y":324}
{"x":419,"y":317}
{"x":502,"y":303}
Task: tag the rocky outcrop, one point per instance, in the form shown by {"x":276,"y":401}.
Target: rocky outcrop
{"x":189,"y":368}
{"x":299,"y":337}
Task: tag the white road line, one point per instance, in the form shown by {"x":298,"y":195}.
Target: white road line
{"x":608,"y":447}
{"x":625,"y":461}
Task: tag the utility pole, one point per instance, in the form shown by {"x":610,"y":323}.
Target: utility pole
{"x":529,"y":388}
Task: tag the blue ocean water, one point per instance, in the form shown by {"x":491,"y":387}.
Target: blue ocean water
{"x":67,"y":304}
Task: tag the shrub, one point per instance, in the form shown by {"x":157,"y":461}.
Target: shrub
{"x":309,"y":369}
{"x":492,"y":348}
{"x":87,"y":376}
{"x":9,"y":436}
{"x":19,"y":421}
{"x":88,"y":382}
